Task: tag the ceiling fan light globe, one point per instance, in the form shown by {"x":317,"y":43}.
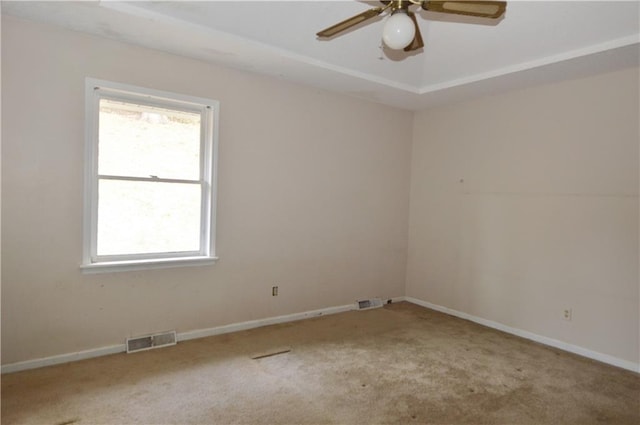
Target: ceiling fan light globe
{"x":399,"y":30}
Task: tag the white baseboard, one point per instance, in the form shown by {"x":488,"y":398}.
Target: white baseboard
{"x":235,"y":327}
{"x":62,"y":358}
{"x":604,"y":358}
{"x":184,"y":336}
{"x":218,"y":330}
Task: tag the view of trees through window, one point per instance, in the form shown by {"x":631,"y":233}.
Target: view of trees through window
{"x":149,"y":191}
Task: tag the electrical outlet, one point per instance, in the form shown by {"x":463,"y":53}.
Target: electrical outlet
{"x":274,"y":291}
{"x":566,"y":314}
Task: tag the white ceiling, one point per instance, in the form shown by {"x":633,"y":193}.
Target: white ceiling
{"x":536,"y":41}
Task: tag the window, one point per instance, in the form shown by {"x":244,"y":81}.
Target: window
{"x":150,"y":178}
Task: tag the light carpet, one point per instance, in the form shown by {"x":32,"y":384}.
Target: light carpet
{"x":401,"y":364}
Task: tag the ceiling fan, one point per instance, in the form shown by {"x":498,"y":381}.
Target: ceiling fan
{"x":401,"y":29}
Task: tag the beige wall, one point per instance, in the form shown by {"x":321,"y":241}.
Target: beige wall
{"x":525,"y":204}
{"x":313,"y":197}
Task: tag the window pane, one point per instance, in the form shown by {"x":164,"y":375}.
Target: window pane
{"x":148,"y":217}
{"x":142,"y":141}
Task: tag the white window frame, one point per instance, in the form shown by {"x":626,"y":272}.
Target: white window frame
{"x":95,"y":90}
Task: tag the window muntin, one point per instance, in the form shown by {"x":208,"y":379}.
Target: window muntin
{"x":150,"y":178}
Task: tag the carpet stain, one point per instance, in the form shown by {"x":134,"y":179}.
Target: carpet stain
{"x":270,"y":353}
{"x":69,"y":422}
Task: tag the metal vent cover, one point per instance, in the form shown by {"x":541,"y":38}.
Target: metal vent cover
{"x":148,"y":342}
{"x":369,"y":303}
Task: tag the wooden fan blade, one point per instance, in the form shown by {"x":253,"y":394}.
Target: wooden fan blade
{"x":484,"y":9}
{"x":417,"y":42}
{"x":348,"y":23}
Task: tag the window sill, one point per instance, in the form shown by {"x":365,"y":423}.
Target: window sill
{"x":123,"y":266}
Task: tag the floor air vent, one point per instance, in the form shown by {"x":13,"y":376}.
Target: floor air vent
{"x":147,"y":342}
{"x":370,"y":303}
